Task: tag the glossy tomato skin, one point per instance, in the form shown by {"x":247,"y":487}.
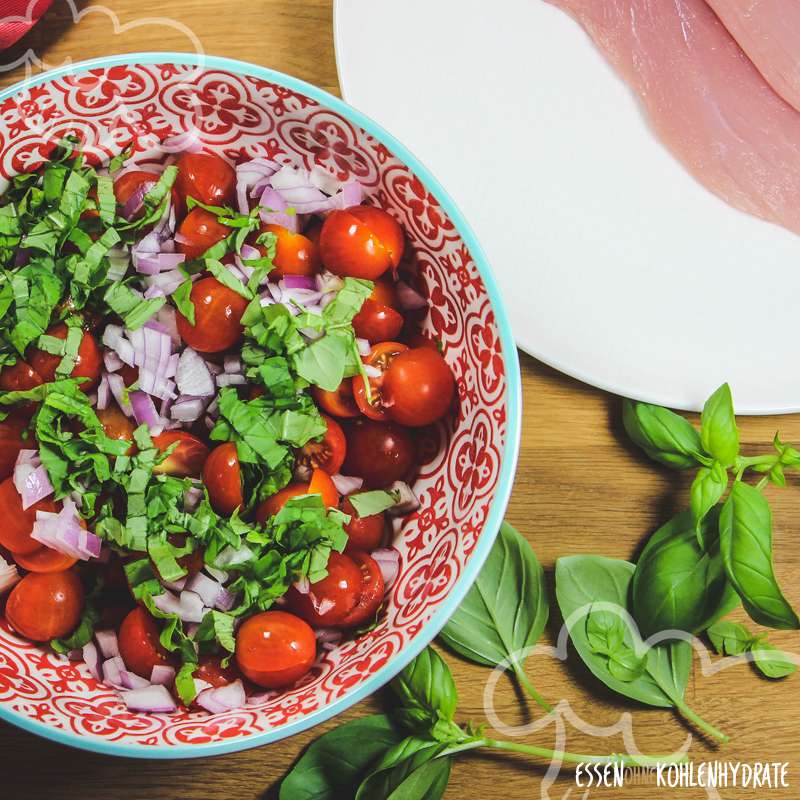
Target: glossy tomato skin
{"x":15,"y":531}
{"x":206,"y":177}
{"x":329,"y":601}
{"x":273,"y":504}
{"x":222,"y":477}
{"x":363,"y":533}
{"x":87,"y":363}
{"x":372,"y":591}
{"x":380,"y":357}
{"x":339,"y":403}
{"x":45,"y":559}
{"x":217,"y":315}
{"x":127,"y":184}
{"x":210,"y":670}
{"x":322,"y":485}
{"x":295,"y":254}
{"x":274,"y":649}
{"x":418,"y":387}
{"x":199,"y":231}
{"x":376,"y":322}
{"x":327,"y":454}
{"x":378,"y":452}
{"x":115,"y":424}
{"x":19,"y":377}
{"x":14,"y":436}
{"x":139,"y":645}
{"x":43,"y":606}
{"x":186,"y":460}
{"x":360,"y":242}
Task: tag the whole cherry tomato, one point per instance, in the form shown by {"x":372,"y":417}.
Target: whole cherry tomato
{"x":14,"y":436}
{"x":127,"y":184}
{"x":217,"y":317}
{"x":327,"y":454}
{"x":139,"y":645}
{"x":186,"y":460}
{"x":361,"y":242}
{"x":340,"y":402}
{"x":206,"y":177}
{"x":15,"y":531}
{"x":210,"y":670}
{"x":363,"y":533}
{"x":330,"y":600}
{"x":418,"y":387}
{"x":222,"y":477}
{"x":44,"y":606}
{"x":320,"y":484}
{"x":372,"y":591}
{"x":19,"y":377}
{"x":378,"y":452}
{"x":295,"y":254}
{"x":45,"y":559}
{"x":87,"y":363}
{"x":199,"y":231}
{"x":274,"y":649}
{"x":379,"y":358}
{"x":116,"y":425}
{"x":378,"y":319}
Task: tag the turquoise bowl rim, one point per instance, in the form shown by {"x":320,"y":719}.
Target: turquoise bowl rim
{"x":513,"y":406}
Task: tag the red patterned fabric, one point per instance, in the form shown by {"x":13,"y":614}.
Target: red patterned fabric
{"x":17,"y":17}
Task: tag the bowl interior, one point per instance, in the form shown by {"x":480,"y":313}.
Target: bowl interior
{"x":243,"y":112}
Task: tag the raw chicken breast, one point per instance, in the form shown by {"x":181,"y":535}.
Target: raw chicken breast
{"x":704,"y":98}
{"x":769,"y":32}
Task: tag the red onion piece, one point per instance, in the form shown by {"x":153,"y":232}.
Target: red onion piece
{"x":63,"y":532}
{"x":232,"y":364}
{"x":107,"y":642}
{"x":229,"y":557}
{"x":185,"y":142}
{"x":274,"y":210}
{"x":346,"y":484}
{"x":91,"y":658}
{"x":193,"y":376}
{"x":189,"y":606}
{"x":230,"y":380}
{"x":144,"y":412}
{"x":112,"y":360}
{"x":223,"y":698}
{"x":134,"y":203}
{"x":407,"y":500}
{"x":32,"y":482}
{"x":302,"y":585}
{"x":8,"y":575}
{"x":154,"y":698}
{"x":207,"y":588}
{"x":162,"y":674}
{"x":189,"y":410}
{"x":300,"y":282}
{"x":388,"y":561}
{"x":116,"y":384}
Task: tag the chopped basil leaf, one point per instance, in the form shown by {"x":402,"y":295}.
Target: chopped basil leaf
{"x":374,"y":502}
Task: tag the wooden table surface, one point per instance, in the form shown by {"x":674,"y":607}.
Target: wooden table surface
{"x":580,"y":488}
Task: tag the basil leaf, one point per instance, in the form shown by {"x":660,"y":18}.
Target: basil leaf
{"x":427,"y":782}
{"x":718,"y":431}
{"x":745,"y":535}
{"x":730,"y":638}
{"x":396,"y":765}
{"x":131,"y":306}
{"x":708,"y":487}
{"x":505,"y":610}
{"x":184,"y":682}
{"x":322,"y":363}
{"x":227,"y":278}
{"x":333,"y":766}
{"x":677,"y":584}
{"x":663,"y":435}
{"x":772,"y":662}
{"x":367,"y":504}
{"x":183,"y":302}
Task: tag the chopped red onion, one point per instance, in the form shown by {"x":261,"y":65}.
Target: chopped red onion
{"x":112,"y":671}
{"x":113,"y":337}
{"x":189,"y":410}
{"x":163,"y":284}
{"x":388,"y":561}
{"x":185,"y":142}
{"x":193,"y":376}
{"x":189,"y":606}
{"x":112,"y":360}
{"x":371,"y":371}
{"x":328,"y":282}
{"x":130,"y":680}
{"x":191,"y":498}
{"x":300,"y":282}
{"x":217,"y":574}
{"x":324,"y":179}
{"x":302,"y":585}
{"x":407,"y":500}
{"x":230,"y":380}
{"x":144,"y":412}
{"x":154,"y":698}
{"x":32,"y":482}
{"x":116,"y":384}
{"x":229,"y":557}
{"x":346,"y":484}
{"x":225,"y":600}
{"x":364,"y":347}
{"x":207,"y":588}
{"x":155,"y":263}
{"x":162,"y":675}
{"x":134,"y":203}
{"x":9,"y":575}
{"x":232,"y":364}
{"x":328,"y":635}
{"x":224,"y":698}
{"x":63,"y":532}
{"x":175,"y":586}
{"x":107,"y":642}
{"x":248,"y":175}
{"x":91,"y":658}
{"x":408,"y":298}
{"x":275,"y":210}
{"x":166,"y":317}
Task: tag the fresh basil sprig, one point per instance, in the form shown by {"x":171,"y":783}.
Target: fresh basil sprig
{"x":734,"y":639}
{"x":505,"y":610}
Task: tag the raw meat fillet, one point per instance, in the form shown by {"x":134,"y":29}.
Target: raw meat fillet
{"x":704,"y":98}
{"x":769,"y":32}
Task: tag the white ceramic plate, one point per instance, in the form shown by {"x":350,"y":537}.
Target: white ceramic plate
{"x":617,"y":266}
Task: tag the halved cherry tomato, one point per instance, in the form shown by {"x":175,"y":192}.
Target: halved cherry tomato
{"x":361,"y":242}
{"x":363,"y":533}
{"x":186,"y":460}
{"x":378,"y":452}
{"x":17,"y":524}
{"x":45,"y":559}
{"x":327,"y":454}
{"x":87,"y":363}
{"x":116,"y":425}
{"x":139,"y":645}
{"x":380,"y":356}
{"x":43,"y":606}
{"x":372,"y":591}
{"x":274,"y":649}
{"x":320,"y":484}
{"x":127,"y":184}
{"x":418,"y":387}
{"x":340,"y":403}
{"x":378,"y":319}
{"x":295,"y":254}
{"x":210,"y":670}
{"x":19,"y":377}
{"x":14,"y":436}
{"x":222,"y":476}
{"x":217,"y":317}
{"x":206,"y":177}
{"x":331,"y":599}
{"x":199,"y":231}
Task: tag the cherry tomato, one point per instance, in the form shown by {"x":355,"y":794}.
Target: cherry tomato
{"x":320,"y":484}
{"x":186,"y":460}
{"x":418,"y":387}
{"x":87,"y":363}
{"x":199,"y":231}
{"x":206,"y":177}
{"x":43,"y":606}
{"x":15,"y":531}
{"x":19,"y":377}
{"x":295,"y":254}
{"x":217,"y":315}
{"x":274,"y":649}
{"x":139,"y":645}
{"x":331,"y":599}
{"x":116,"y":425}
{"x":327,"y":454}
{"x":14,"y":436}
{"x":378,"y":452}
{"x":363,"y":533}
{"x":45,"y":559}
{"x":378,"y":320}
{"x":340,"y":403}
{"x":129,"y":374}
{"x":127,"y":184}
{"x":372,"y":591}
{"x":380,"y":356}
{"x":210,"y":670}
{"x":361,"y":242}
{"x":222,"y":477}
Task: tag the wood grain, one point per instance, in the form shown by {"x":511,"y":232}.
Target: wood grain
{"x":580,"y":488}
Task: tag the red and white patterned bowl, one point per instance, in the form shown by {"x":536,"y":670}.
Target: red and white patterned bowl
{"x":242,"y":111}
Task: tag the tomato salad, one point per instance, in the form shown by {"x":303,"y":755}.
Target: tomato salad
{"x":212,"y":383}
